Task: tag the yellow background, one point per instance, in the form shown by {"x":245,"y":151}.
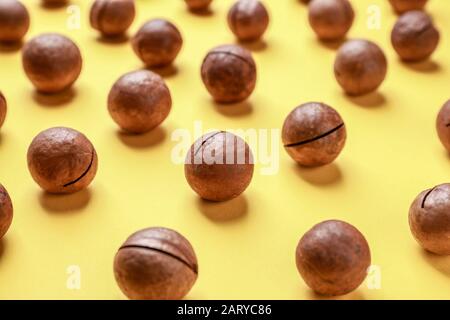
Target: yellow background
{"x":245,"y":247}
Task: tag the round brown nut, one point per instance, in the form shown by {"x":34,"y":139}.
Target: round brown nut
{"x":139,"y":101}
{"x":6,"y":211}
{"x":429,"y":219}
{"x":229,"y":73}
{"x":52,"y":62}
{"x":3,"y":108}
{"x":360,"y":67}
{"x":157,"y":43}
{"x":156,"y":264}
{"x":414,"y":36}
{"x":112,"y":17}
{"x":401,"y":6}
{"x":443,"y":125}
{"x":198,"y":5}
{"x":314,"y":134}
{"x":219,"y":166}
{"x":14,"y":21}
{"x":62,"y":160}
{"x":248,"y":19}
{"x":333,"y":258}
{"x":331,"y":19}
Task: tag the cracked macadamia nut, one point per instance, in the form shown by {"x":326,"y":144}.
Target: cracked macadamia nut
{"x":443,"y":125}
{"x":429,"y":219}
{"x":219,"y":166}
{"x":248,"y":19}
{"x":112,"y":17}
{"x":156,"y":264}
{"x":157,"y":43}
{"x":333,"y":258}
{"x":139,"y":101}
{"x":314,"y":134}
{"x":198,"y":5}
{"x":330,"y":19}
{"x":62,"y":160}
{"x":360,"y":67}
{"x":3,"y":109}
{"x":414,"y":36}
{"x":401,"y":6}
{"x":6,"y":211}
{"x":14,"y":21}
{"x":52,"y":62}
{"x":229,"y":73}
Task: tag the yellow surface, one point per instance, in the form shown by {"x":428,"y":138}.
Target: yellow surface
{"x":392,"y":154}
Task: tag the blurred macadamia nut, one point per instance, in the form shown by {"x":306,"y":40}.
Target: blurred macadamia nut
{"x":112,"y":17}
{"x":219,"y":166}
{"x":3,"y":109}
{"x":314,"y":134}
{"x":14,"y":21}
{"x":139,"y":101}
{"x":360,"y":67}
{"x":429,"y":219}
{"x":157,"y":43}
{"x":414,"y":36}
{"x":443,"y":125}
{"x":331,"y":19}
{"x":229,"y":73}
{"x":62,"y":160}
{"x":401,"y":6}
{"x":156,"y":264}
{"x":52,"y":62}
{"x":198,"y":5}
{"x":248,"y":19}
{"x":333,"y":258}
{"x":6,"y":211}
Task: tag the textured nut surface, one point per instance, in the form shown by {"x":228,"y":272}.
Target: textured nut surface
{"x":229,"y":73}
{"x":14,"y":21}
{"x":333,"y":258}
{"x":248,"y":19}
{"x":314,"y":134}
{"x":443,"y":125}
{"x":139,"y":101}
{"x":52,"y":62}
{"x":112,"y":17}
{"x":62,"y":160}
{"x":330,"y":19}
{"x":219,"y":166}
{"x":6,"y":211}
{"x":156,"y":263}
{"x":3,"y":109}
{"x":401,"y":6}
{"x":429,"y":219}
{"x":198,"y":4}
{"x":360,"y":67}
{"x":414,"y":36}
{"x":157,"y":43}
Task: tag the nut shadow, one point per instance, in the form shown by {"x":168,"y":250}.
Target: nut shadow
{"x":65,"y":203}
{"x":204,"y":13}
{"x":226,"y":211}
{"x":427,"y":66}
{"x":355,"y":295}
{"x":166,"y":71}
{"x":10,"y":47}
{"x":3,"y":246}
{"x":239,"y":109}
{"x":332,"y":44}
{"x":371,"y":100}
{"x":440,"y":263}
{"x":320,"y":176}
{"x":258,"y":45}
{"x":54,"y":6}
{"x":54,"y":99}
{"x":113,"y":40}
{"x":145,"y":140}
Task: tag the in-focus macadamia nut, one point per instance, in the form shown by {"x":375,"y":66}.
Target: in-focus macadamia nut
{"x":62,"y":160}
{"x":198,"y":5}
{"x":14,"y":21}
{"x":333,"y":258}
{"x":156,"y":264}
{"x":401,"y":6}
{"x":429,"y":219}
{"x":314,"y":134}
{"x":3,"y":109}
{"x":219,"y":166}
{"x":112,"y":17}
{"x":6,"y":211}
{"x":443,"y":125}
{"x":248,"y":19}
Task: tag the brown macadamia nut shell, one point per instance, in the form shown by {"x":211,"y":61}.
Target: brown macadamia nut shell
{"x":401,"y":6}
{"x":333,"y":258}
{"x":139,"y":101}
{"x":248,"y":19}
{"x":157,"y":43}
{"x":229,"y":73}
{"x":414,"y":36}
{"x":14,"y":21}
{"x":443,"y":125}
{"x":429,"y":219}
{"x":62,"y":160}
{"x":52,"y":62}
{"x":112,"y":17}
{"x":3,"y":109}
{"x":6,"y":211}
{"x":314,"y":134}
{"x":219,"y":166}
{"x":360,"y":67}
{"x":198,"y":5}
{"x":330,"y":19}
{"x":156,"y":263}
